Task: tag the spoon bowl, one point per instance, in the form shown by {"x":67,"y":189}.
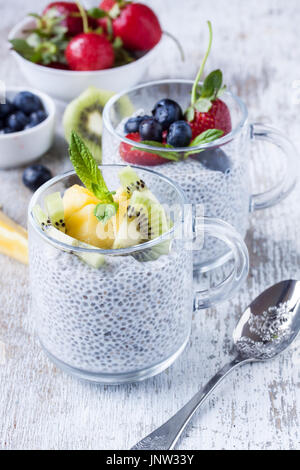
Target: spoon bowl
{"x":270,"y":323}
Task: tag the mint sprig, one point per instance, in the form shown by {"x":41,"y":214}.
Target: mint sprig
{"x":203,"y":96}
{"x":88,"y":172}
{"x":205,"y":138}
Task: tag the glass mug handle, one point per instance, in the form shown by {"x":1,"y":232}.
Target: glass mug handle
{"x":279,"y":192}
{"x":221,"y":230}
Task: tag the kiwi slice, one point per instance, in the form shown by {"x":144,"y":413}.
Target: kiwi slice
{"x":55,"y":208}
{"x":95,"y":260}
{"x":146,"y":219}
{"x":41,"y":217}
{"x":130,"y":181}
{"x":157,"y":219}
{"x":84,"y":115}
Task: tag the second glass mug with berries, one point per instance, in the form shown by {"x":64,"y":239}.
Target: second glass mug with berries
{"x":198,"y":134}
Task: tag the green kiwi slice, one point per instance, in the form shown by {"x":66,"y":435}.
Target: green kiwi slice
{"x":95,"y":260}
{"x":55,"y":209}
{"x":130,"y":181}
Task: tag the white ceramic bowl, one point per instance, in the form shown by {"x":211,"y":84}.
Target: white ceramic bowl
{"x":66,"y":85}
{"x":22,"y":147}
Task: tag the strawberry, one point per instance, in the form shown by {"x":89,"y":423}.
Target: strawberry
{"x":207,"y":110}
{"x":68,"y":11}
{"x":138,"y":157}
{"x":71,"y":18}
{"x":218,"y":117}
{"x":135,"y":23}
{"x":107,"y":5}
{"x":90,"y":51}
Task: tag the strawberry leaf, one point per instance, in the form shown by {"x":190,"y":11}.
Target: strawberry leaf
{"x":23,"y":48}
{"x":203,"y":105}
{"x":97,"y":13}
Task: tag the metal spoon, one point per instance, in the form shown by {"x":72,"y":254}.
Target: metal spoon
{"x":267,"y":328}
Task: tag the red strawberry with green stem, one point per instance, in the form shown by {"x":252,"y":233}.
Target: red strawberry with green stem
{"x":89,"y":50}
{"x":135,"y":23}
{"x":207,"y":111}
{"x":71,"y":18}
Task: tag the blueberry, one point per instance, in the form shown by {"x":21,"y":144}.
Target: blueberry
{"x":36,"y":175}
{"x":17,"y":121}
{"x":6,"y":108}
{"x":166,"y":112}
{"x":37,"y":117}
{"x":27,"y":102}
{"x":7,"y":130}
{"x":180,"y":134}
{"x":133,"y":124}
{"x":150,"y":129}
{"x":214,"y":159}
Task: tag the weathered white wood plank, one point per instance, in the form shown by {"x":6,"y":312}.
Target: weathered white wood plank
{"x":258,"y":406}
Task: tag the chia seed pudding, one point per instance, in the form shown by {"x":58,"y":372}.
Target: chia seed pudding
{"x":126,"y":316}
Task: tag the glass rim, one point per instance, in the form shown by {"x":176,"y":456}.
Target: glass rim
{"x":218,"y":142}
{"x":115,"y":252}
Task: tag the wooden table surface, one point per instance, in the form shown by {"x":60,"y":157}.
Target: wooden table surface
{"x":257,"y":407}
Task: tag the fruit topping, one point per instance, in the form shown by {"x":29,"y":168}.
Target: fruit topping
{"x":180,"y":134}
{"x":166,"y":112}
{"x":130,"y":181}
{"x":136,"y":156}
{"x":36,"y":175}
{"x":55,"y":210}
{"x":84,"y":115}
{"x":150,"y":129}
{"x":13,"y":239}
{"x":94,"y":260}
{"x":133,"y":124}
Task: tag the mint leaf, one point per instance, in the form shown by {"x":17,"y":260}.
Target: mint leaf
{"x":167,"y":155}
{"x":104,"y":212}
{"x":206,"y":137}
{"x":212,"y":85}
{"x":203,"y":105}
{"x":87,"y":169}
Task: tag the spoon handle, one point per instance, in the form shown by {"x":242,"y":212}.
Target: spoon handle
{"x":166,"y":436}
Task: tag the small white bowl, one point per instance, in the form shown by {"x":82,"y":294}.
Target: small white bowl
{"x":19,"y":148}
{"x":66,"y":85}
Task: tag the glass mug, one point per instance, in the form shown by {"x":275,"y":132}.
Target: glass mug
{"x":218,"y":177}
{"x":131,"y":318}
